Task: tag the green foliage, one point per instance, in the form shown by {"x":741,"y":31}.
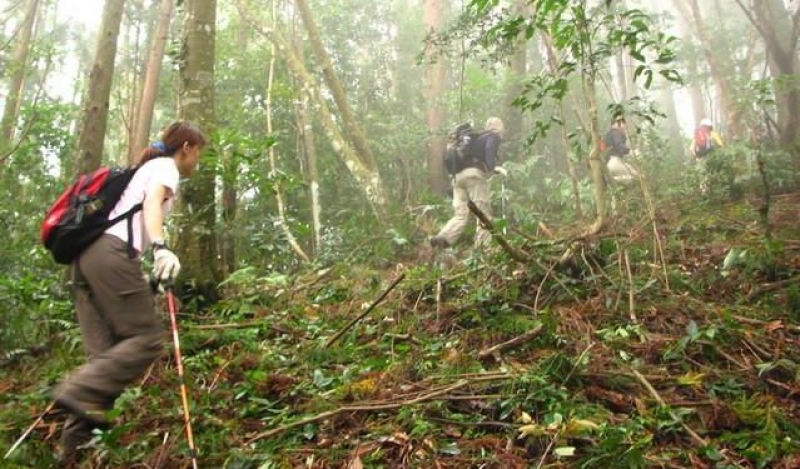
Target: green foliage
{"x":624,"y":445}
{"x":586,"y":38}
{"x":33,"y":301}
{"x":693,"y":334}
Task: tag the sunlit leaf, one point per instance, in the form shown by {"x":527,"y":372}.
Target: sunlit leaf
{"x":564,"y":451}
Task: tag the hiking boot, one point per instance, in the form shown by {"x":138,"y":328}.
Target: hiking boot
{"x":75,"y":434}
{"x":439,"y":242}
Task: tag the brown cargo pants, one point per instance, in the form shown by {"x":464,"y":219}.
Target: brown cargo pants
{"x":122,"y":334}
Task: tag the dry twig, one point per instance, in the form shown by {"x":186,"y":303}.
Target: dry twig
{"x":516,"y":341}
{"x":366,"y":312}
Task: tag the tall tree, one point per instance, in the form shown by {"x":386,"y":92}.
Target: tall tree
{"x":276,"y":183}
{"x":517,"y":71}
{"x":780,"y":28}
{"x":435,"y":81}
{"x":18,"y":70}
{"x":144,"y":116}
{"x":132,"y":69}
{"x":196,"y":244}
{"x":666,"y":93}
{"x":352,"y":130}
{"x":552,"y":63}
{"x":367,"y":177}
{"x":96,"y":102}
{"x":699,"y":108}
{"x":624,"y":82}
{"x":719,"y":69}
{"x":308,"y":150}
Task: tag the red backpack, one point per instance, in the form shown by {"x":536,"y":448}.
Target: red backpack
{"x":80,"y":214}
{"x":702,"y":141}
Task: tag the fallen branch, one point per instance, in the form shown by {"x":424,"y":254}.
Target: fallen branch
{"x":697,"y":439}
{"x":516,"y":254}
{"x":768,"y":287}
{"x":759,"y":322}
{"x":368,"y":310}
{"x":516,"y":341}
{"x":367,"y":408}
{"x":484,"y":423}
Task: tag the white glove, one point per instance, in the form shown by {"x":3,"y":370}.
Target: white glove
{"x":166,"y":265}
{"x":501,"y":171}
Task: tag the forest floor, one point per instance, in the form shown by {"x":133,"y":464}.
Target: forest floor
{"x":678,"y":351}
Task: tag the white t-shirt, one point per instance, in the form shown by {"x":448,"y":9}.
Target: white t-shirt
{"x":156,"y":171}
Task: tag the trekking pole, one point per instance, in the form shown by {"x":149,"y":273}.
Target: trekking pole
{"x":503,"y":205}
{"x":29,"y":430}
{"x":184,"y":395}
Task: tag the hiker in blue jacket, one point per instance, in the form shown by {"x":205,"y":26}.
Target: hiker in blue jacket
{"x":471,"y":182}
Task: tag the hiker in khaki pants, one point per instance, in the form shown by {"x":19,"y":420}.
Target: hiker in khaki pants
{"x":472,"y":183}
{"x":122,"y":334}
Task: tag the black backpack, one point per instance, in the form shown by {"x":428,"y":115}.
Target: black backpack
{"x":461,"y":148}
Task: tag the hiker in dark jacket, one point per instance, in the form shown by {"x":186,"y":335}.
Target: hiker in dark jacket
{"x":122,"y":334}
{"x":616,"y":141}
{"x":472,"y":183}
{"x":616,"y":138}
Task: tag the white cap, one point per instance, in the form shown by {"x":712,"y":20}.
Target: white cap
{"x":706,"y":121}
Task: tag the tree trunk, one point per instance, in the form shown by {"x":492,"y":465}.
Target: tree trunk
{"x":624,"y":78}
{"x":435,"y":82}
{"x":778,"y":27}
{"x":667,"y":99}
{"x":230,"y":206}
{"x":306,"y":127}
{"x":196,"y":244}
{"x":305,"y":124}
{"x":132,"y":46}
{"x":368,"y":179}
{"x":695,"y":90}
{"x":595,"y":160}
{"x":350,"y":125}
{"x":95,"y":109}
{"x":18,"y":70}
{"x":719,"y":72}
{"x":513,"y":140}
{"x":144,"y":116}
{"x":571,"y":170}
{"x":276,"y":186}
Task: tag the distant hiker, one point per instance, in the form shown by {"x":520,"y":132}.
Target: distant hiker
{"x":122,"y":334}
{"x":705,"y":140}
{"x":616,"y":147}
{"x":470,"y":175}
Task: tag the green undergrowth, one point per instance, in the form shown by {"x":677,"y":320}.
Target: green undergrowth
{"x":689,"y":360}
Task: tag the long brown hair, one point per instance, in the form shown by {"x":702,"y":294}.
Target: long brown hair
{"x":172,"y":139}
